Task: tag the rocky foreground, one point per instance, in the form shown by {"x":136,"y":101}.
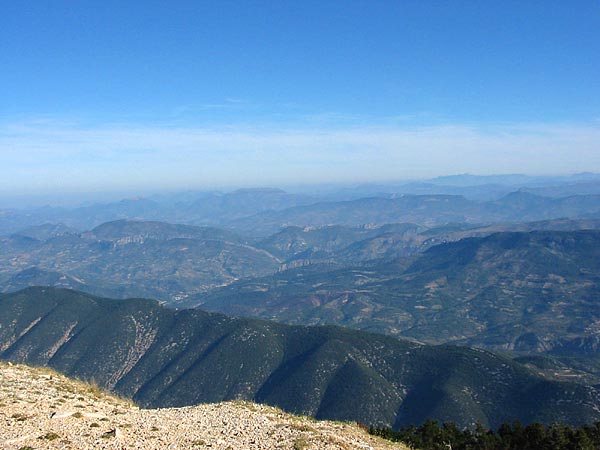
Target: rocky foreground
{"x":40,"y":409}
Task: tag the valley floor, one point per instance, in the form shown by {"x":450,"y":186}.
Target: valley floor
{"x":40,"y":409}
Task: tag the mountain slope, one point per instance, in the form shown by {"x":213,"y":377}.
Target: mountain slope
{"x":341,"y":245}
{"x":129,"y":258}
{"x":518,"y":291}
{"x":161,"y":357}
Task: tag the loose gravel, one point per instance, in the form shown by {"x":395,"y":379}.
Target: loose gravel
{"x":40,"y":409}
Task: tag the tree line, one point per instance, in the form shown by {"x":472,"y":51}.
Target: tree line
{"x":516,"y":436}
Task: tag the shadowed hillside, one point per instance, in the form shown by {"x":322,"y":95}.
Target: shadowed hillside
{"x":161,"y":357}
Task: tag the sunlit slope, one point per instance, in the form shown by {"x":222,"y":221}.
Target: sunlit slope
{"x":527,"y":291}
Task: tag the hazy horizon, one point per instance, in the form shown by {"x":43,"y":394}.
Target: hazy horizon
{"x":77,"y":198}
{"x":145,"y":97}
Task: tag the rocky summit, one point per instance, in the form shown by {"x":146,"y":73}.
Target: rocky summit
{"x":41,"y":409}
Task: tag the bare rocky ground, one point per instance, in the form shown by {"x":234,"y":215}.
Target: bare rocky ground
{"x":40,"y":409}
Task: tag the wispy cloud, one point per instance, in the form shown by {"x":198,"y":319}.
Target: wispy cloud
{"x":48,"y":154}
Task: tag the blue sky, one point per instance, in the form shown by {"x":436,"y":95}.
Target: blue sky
{"x":186,"y":94}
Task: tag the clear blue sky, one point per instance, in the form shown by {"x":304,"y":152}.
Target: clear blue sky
{"x":101,"y":94}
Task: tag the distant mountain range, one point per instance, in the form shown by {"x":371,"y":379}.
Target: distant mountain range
{"x":200,"y":209}
{"x":425,"y":210}
{"x":261,"y":212}
{"x":162,"y":357}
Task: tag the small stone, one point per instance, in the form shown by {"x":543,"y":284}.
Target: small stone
{"x":114,"y":433}
{"x":61,"y":414}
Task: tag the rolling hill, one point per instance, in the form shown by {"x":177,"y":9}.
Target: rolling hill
{"x":129,"y":258}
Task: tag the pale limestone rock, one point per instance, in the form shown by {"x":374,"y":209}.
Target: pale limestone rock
{"x":44,"y":410}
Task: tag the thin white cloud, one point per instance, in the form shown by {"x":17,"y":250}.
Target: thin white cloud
{"x":46,"y":154}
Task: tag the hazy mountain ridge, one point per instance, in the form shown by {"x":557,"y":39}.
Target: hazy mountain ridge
{"x":426,"y":210}
{"x":162,"y":357}
{"x":475,"y":199}
{"x":202,"y":209}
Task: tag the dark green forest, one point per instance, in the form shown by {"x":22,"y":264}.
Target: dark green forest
{"x":516,"y":436}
